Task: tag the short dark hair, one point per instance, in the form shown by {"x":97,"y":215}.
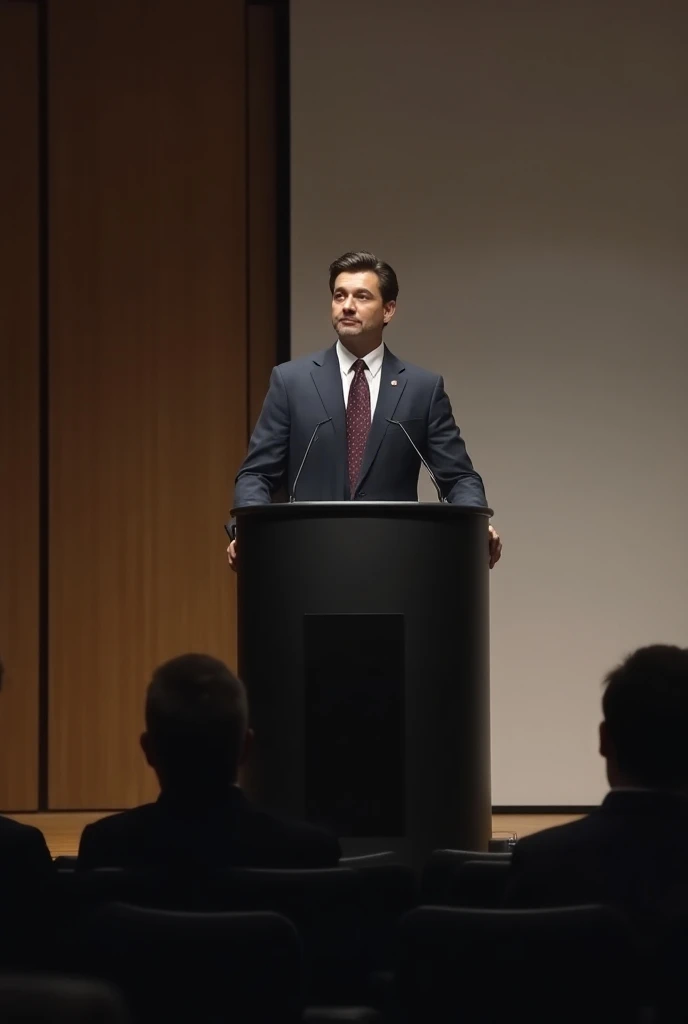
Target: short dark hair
{"x":645,"y":707}
{"x":196,"y":718}
{"x":353,"y":262}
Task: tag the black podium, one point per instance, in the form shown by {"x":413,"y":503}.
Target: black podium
{"x":364,"y":645}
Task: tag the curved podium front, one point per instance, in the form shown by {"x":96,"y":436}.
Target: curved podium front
{"x":364,"y":645}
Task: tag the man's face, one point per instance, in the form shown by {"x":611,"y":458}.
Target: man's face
{"x":357,"y":306}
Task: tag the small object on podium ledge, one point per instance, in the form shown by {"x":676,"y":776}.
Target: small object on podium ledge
{"x":502,"y":842}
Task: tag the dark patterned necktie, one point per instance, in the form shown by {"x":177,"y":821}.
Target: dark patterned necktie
{"x":357,"y":422}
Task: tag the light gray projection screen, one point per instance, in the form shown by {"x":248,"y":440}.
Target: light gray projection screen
{"x":524,"y":167}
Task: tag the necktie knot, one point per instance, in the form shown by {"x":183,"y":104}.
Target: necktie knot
{"x":360,"y":366}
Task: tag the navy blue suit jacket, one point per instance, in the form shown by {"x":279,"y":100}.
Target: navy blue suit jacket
{"x":630,"y":853}
{"x":305,"y":391}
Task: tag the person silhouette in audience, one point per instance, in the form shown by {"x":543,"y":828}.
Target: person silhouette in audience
{"x":196,"y":737}
{"x":632,"y":852}
{"x":27,"y":885}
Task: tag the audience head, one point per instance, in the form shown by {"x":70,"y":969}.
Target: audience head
{"x":644,"y":734}
{"x":196,"y":724}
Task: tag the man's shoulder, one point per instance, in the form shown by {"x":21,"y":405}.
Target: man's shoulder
{"x":419,"y":375}
{"x":112,"y":824}
{"x":281,"y":824}
{"x":276,"y":832}
{"x":301,"y":365}
{"x":563,"y":837}
{"x":23,"y":849}
{"x":16,"y":833}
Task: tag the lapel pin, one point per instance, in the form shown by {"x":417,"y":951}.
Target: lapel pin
{"x":394,"y":383}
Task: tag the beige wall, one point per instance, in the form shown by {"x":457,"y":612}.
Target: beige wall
{"x":524,"y":168}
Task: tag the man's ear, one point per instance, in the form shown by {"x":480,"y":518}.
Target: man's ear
{"x":147,"y":748}
{"x":247,"y":746}
{"x":389,"y":309}
{"x":605,"y":743}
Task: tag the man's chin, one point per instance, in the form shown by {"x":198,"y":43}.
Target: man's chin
{"x":348,"y":330}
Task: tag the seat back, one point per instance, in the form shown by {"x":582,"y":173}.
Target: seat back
{"x":65,"y":862}
{"x":325,"y":904}
{"x":479,"y":883}
{"x":189,"y":966}
{"x":362,"y":860}
{"x":388,"y":891}
{"x":670,"y":978}
{"x":575,"y":963}
{"x":44,"y":999}
{"x":441,"y":867}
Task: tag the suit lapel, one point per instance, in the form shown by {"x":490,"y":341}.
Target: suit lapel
{"x":387,"y":400}
{"x":326,"y":375}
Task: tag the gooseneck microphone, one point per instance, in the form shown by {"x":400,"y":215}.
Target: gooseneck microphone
{"x":303,"y":460}
{"x":398,"y":423}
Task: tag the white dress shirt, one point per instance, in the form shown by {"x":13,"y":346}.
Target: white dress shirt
{"x":373,"y":363}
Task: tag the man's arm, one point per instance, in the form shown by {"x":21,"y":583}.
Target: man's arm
{"x":265,"y":466}
{"x":37,"y":860}
{"x":447,"y":455}
{"x":88,"y":850}
{"x":540,"y":876}
{"x":520,"y":890}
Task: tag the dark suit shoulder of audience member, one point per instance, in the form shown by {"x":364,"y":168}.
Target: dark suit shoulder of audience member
{"x":196,"y":737}
{"x":28,"y":895}
{"x":630,"y":852}
{"x":23,"y":849}
{"x":229,"y":833}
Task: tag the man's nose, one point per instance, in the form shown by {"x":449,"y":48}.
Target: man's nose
{"x":349,"y":304}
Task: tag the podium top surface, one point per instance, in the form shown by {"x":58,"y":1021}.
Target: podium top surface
{"x":333,"y":509}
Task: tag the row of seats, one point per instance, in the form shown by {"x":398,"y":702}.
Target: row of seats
{"x":439,"y":878}
{"x":254,"y":945}
{"x":571,"y":964}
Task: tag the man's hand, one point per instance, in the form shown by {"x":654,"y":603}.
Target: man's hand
{"x":232,"y":555}
{"x":495,"y":547}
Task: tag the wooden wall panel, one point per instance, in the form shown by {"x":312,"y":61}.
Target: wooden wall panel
{"x":262,"y":203}
{"x":148,"y":365}
{"x":19,"y":406}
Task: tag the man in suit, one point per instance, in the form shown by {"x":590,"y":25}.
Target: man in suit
{"x":27,"y":886}
{"x":633,"y":851}
{"x":196,"y":737}
{"x":352,"y":390}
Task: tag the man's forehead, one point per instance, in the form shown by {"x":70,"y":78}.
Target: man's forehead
{"x":349,"y":282}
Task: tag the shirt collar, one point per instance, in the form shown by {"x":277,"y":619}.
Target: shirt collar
{"x":373,"y":360}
